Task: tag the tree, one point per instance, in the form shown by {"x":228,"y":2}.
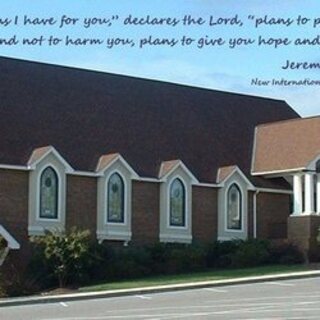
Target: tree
{"x":64,"y":253}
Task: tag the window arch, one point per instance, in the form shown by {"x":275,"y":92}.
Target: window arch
{"x":115,"y":199}
{"x":49,"y":188}
{"x":234,"y":208}
{"x":177,"y":203}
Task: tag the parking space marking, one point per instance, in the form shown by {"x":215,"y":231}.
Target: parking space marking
{"x":143,"y":297}
{"x":216,"y":290}
{"x":63,"y":304}
{"x":282,"y":284}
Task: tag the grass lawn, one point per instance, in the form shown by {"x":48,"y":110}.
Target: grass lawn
{"x":193,"y":277}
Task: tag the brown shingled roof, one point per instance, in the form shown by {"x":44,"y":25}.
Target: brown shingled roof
{"x":286,"y":145}
{"x":86,"y":114}
{"x":167,"y":166}
{"x":105,"y":160}
{"x":38,"y":153}
{"x":224,"y":172}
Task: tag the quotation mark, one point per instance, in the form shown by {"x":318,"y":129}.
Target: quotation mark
{"x":251,"y":17}
{"x":116,"y":17}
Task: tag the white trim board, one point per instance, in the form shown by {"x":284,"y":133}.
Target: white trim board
{"x":12,"y":242}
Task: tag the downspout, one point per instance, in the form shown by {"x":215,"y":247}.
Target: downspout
{"x":255,"y":214}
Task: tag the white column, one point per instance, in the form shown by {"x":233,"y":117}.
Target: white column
{"x":297,"y":194}
{"x":318,"y":193}
{"x":308,"y":193}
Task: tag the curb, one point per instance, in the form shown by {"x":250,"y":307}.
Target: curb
{"x":7,"y":302}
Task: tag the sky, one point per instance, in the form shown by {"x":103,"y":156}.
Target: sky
{"x":216,"y":66}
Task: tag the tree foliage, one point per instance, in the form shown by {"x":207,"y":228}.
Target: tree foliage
{"x":64,"y":253}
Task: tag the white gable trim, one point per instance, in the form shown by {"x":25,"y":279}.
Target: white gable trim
{"x":12,"y":242}
{"x":242,"y":175}
{"x":312,"y":164}
{"x":14,"y":167}
{"x":277,"y":173}
{"x":134,"y":175}
{"x":180,"y":164}
{"x":56,"y":154}
{"x":84,"y":174}
{"x":3,"y":255}
{"x":146,"y":179}
{"x":269,"y":190}
{"x":208,"y":185}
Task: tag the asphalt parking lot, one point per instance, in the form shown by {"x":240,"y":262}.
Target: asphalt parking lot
{"x":290,"y":299}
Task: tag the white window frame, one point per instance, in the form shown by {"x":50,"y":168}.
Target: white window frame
{"x":114,"y":231}
{"x":51,"y":158}
{"x":167,"y":232}
{"x":186,"y":199}
{"x":227,"y":211}
{"x":125,"y":199}
{"x":59,"y":195}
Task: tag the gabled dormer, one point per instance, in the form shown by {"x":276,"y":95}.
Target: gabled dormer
{"x":114,"y":198}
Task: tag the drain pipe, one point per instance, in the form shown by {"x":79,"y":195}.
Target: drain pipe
{"x":255,"y":214}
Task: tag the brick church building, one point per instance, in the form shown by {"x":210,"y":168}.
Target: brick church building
{"x":139,"y":161}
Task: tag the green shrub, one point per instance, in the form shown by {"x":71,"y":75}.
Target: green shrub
{"x":177,"y":258}
{"x":285,"y":253}
{"x":79,"y":263}
{"x":64,"y":254}
{"x":159,"y":257}
{"x":119,"y":262}
{"x":251,"y":253}
{"x":131,"y":262}
{"x":219,"y":254}
{"x":15,"y":282}
{"x":99,"y":266}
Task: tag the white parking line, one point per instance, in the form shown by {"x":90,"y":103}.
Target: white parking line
{"x":282,"y":284}
{"x":143,"y":297}
{"x":64,"y":304}
{"x":215,"y":290}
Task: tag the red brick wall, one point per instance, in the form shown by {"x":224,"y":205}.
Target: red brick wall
{"x":145,"y":212}
{"x":81,"y":203}
{"x":272,"y":214}
{"x":81,"y":210}
{"x":14,"y":187}
{"x":303,"y":232}
{"x":204,"y":214}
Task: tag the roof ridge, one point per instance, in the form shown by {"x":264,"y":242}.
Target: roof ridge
{"x":144,"y":79}
{"x":267,"y":124}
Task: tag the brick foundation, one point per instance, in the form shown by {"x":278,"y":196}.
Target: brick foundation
{"x":303,"y":231}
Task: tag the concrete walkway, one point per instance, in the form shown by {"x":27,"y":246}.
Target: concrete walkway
{"x":162,"y":288}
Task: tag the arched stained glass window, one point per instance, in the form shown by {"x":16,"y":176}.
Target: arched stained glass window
{"x":115,"y":205}
{"x":49,"y":185}
{"x":234,"y":208}
{"x":177,"y":203}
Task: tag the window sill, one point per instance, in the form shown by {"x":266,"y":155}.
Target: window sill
{"x":113,"y":235}
{"x":175,"y":238}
